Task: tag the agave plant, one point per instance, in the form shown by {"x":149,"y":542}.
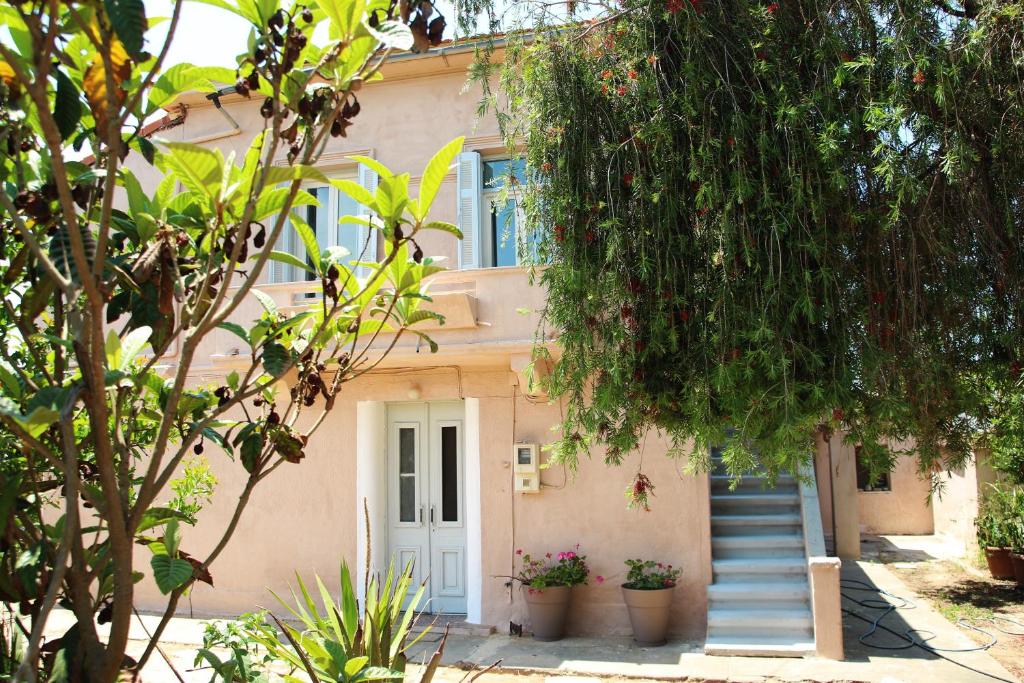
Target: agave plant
{"x":338,"y":642}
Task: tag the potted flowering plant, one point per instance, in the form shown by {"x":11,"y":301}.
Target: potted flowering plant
{"x":547,"y":588}
{"x":648,"y":596}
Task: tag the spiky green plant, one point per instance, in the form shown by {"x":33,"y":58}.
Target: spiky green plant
{"x":339,"y":642}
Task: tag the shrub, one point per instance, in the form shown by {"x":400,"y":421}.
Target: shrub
{"x":1000,"y":521}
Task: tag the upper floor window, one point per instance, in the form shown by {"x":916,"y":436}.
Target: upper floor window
{"x":358,"y":240}
{"x":489,"y":224}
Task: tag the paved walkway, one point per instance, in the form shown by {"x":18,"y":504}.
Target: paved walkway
{"x":576,"y":660}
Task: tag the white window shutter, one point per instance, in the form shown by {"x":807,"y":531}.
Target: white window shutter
{"x":469,"y":211}
{"x":288,"y":241}
{"x":368,"y":179}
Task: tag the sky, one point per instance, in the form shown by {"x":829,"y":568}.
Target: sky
{"x":209,"y":36}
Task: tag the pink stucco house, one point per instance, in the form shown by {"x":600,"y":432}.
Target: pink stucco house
{"x":431,"y":442}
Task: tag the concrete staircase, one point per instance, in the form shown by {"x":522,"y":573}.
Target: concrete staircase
{"x":759,"y":598}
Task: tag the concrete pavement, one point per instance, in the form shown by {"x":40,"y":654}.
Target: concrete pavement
{"x":588,"y":659}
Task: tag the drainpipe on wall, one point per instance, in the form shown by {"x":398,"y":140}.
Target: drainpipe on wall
{"x":235,"y":128}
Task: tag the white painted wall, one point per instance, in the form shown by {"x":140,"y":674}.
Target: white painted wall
{"x":371,"y":481}
{"x":474,"y":554}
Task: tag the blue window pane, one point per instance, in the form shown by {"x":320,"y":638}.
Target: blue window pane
{"x":494,"y":172}
{"x":504,"y":222}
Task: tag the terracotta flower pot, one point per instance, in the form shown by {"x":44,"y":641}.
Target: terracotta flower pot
{"x":648,"y":613}
{"x":1018,"y":567}
{"x":999,"y":563}
{"x":548,"y":608}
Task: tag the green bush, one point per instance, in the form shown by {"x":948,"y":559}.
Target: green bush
{"x":1000,"y":521}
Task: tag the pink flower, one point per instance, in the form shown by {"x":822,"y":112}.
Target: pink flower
{"x":570,"y":555}
{"x":519,"y":551}
{"x":561,"y":556}
{"x":547,"y":555}
{"x":599,"y":578}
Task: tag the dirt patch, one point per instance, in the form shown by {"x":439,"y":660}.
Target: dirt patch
{"x":964,"y":593}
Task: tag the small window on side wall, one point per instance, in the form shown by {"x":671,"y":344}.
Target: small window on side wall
{"x":864,"y":482}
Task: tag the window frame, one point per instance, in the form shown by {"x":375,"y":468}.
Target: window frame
{"x":289,"y":240}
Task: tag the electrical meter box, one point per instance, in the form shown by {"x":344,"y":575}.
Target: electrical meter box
{"x":526,"y":467}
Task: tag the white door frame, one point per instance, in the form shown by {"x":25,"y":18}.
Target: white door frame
{"x":371,"y":486}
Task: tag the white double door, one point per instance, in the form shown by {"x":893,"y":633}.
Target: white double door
{"x":426,"y":509}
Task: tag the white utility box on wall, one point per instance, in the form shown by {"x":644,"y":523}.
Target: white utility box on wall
{"x":526,"y":467}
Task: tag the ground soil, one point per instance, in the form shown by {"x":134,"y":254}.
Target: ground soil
{"x":966,"y":591}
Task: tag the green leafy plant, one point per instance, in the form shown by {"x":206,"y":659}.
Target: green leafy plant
{"x":568,"y":568}
{"x":245,"y":662}
{"x":1005,"y":439}
{"x":337,"y":642}
{"x":1000,"y":520}
{"x":193,"y":489}
{"x":650,"y":575}
{"x":111,"y":287}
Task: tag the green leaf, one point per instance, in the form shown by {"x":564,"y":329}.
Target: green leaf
{"x":382,"y":170}
{"x":170,"y":572}
{"x":250,"y":451}
{"x":157,"y":516}
{"x":355,"y":665}
{"x":39,"y":417}
{"x":272,"y":201}
{"x":181,"y":78}
{"x":67,"y":106}
{"x":434,"y":173}
{"x":172,"y":537}
{"x":267,"y":301}
{"x":236,"y":329}
{"x":198,"y":168}
{"x":128,"y":18}
{"x":343,"y":16}
{"x":275,"y":359}
{"x":355,"y":191}
{"x":446,"y":227}
{"x":282,"y":174}
{"x":290,"y":259}
{"x":308,"y":237}
{"x":120,"y":353}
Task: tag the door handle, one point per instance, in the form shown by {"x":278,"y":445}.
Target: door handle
{"x":421,"y":514}
{"x":431,"y":514}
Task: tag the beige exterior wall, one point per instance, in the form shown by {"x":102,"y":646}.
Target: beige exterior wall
{"x":304,"y":517}
{"x":904,"y":509}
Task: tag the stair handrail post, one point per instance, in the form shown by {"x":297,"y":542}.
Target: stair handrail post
{"x":823,"y":572}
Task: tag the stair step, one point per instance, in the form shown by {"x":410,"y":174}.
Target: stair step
{"x":751,"y":481}
{"x":759,"y":591}
{"x":785,"y":518}
{"x":759,"y":620}
{"x":759,"y":542}
{"x":765,"y":498}
{"x":760,"y":569}
{"x":764,"y":646}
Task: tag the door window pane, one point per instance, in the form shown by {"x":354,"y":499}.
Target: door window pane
{"x":407,"y":499}
{"x":406,"y":474}
{"x":407,"y":450}
{"x":449,"y":474}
